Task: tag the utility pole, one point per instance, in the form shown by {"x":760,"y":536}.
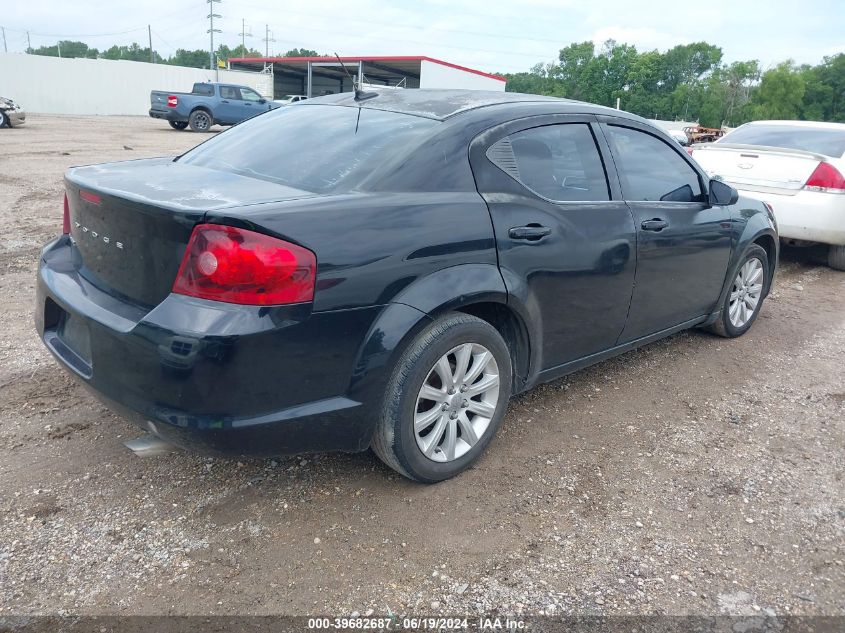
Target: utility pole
{"x":267,"y":40}
{"x":244,"y":34}
{"x":5,"y":50}
{"x":59,"y":45}
{"x":150,"y":34}
{"x":28,"y":43}
{"x":212,"y":63}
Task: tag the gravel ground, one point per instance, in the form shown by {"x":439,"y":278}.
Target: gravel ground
{"x":695,"y":476}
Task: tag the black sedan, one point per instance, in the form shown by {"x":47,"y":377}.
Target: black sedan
{"x":387,"y":270}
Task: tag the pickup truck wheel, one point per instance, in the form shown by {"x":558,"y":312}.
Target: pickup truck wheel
{"x":4,"y":120}
{"x":836,"y":257}
{"x":200,"y":121}
{"x":178,"y":125}
{"x":447,"y":396}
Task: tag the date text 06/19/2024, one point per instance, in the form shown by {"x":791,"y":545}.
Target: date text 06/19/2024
{"x":416,"y":624}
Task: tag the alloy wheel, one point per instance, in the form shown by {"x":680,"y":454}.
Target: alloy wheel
{"x":746,"y":292}
{"x":456,"y":402}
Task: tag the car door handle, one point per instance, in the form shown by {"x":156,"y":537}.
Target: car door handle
{"x":224,"y":101}
{"x":654,"y":225}
{"x":531,"y":232}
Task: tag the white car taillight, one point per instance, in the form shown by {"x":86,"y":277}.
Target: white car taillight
{"x":826,"y":178}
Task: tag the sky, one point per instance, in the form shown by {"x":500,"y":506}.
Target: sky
{"x":483,"y":34}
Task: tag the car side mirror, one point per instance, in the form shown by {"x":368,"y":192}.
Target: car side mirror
{"x":722,"y":194}
{"x":262,"y":101}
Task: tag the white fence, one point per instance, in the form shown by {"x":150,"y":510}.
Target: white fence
{"x":53,"y":85}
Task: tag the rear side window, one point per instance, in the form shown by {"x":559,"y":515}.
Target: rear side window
{"x":228,"y":92}
{"x":558,"y":162}
{"x":317,"y":148}
{"x":650,"y":170}
{"x":830,"y":142}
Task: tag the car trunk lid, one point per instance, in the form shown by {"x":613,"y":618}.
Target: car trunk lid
{"x":758,"y":168}
{"x":131,"y":221}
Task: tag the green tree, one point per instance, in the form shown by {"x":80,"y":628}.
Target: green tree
{"x":224,"y":52}
{"x":824,"y":97}
{"x":193,"y":59}
{"x":780,"y":94}
{"x":574,"y":69}
{"x":133,"y":52}
{"x":302,"y":52}
{"x":66,"y":48}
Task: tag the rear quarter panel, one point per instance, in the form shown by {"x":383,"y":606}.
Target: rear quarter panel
{"x":370,"y":247}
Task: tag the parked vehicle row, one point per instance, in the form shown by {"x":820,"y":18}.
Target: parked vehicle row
{"x":208,"y":104}
{"x":795,"y":166}
{"x":421,"y":257}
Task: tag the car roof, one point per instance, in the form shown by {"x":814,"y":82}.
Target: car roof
{"x":443,"y":104}
{"x":819,"y":125}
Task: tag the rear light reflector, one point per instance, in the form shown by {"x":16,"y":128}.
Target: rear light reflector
{"x":172,"y":101}
{"x":225,"y":263}
{"x":93,"y":198}
{"x":689,"y":151}
{"x":826,"y":178}
{"x":66,"y":218}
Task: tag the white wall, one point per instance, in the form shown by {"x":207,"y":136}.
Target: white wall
{"x":53,"y":85}
{"x":434,"y":75}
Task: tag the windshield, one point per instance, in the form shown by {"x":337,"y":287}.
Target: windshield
{"x":312,"y":147}
{"x":829,"y":142}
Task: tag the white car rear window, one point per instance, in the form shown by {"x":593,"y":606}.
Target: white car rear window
{"x":821,"y":141}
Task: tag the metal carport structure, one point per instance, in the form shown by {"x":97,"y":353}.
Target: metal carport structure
{"x":317,"y":76}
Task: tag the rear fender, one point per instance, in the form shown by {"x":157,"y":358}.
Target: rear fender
{"x":410,"y":313}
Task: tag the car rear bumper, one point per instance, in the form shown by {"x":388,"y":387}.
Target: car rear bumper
{"x":206,"y":375}
{"x":168,"y":115}
{"x":808,"y":215}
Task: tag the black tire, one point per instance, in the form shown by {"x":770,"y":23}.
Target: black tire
{"x":178,"y":125}
{"x":836,"y":257}
{"x":723,"y":325}
{"x":394,"y":440}
{"x":200,"y":121}
{"x":4,"y":120}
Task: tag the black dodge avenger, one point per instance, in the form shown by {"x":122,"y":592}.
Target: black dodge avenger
{"x":387,"y":270}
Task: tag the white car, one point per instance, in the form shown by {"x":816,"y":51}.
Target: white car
{"x":796,"y":167}
{"x":290,"y":99}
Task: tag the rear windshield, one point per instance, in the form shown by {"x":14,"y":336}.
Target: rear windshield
{"x":204,"y":89}
{"x":312,"y":147}
{"x":821,"y":141}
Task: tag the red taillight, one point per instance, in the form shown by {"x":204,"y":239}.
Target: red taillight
{"x":689,"y":151}
{"x":826,"y":178}
{"x":66,"y":219}
{"x":172,"y":101}
{"x":93,"y":198}
{"x":224,"y":263}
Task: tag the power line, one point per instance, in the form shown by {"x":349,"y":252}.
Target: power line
{"x":416,"y":27}
{"x":267,"y":39}
{"x":211,"y":32}
{"x":244,"y":35}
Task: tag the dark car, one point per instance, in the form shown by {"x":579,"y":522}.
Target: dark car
{"x":386,"y":272}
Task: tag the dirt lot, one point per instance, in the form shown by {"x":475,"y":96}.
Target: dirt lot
{"x":695,"y":476}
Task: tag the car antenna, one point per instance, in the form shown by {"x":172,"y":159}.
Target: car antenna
{"x":360,"y":94}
